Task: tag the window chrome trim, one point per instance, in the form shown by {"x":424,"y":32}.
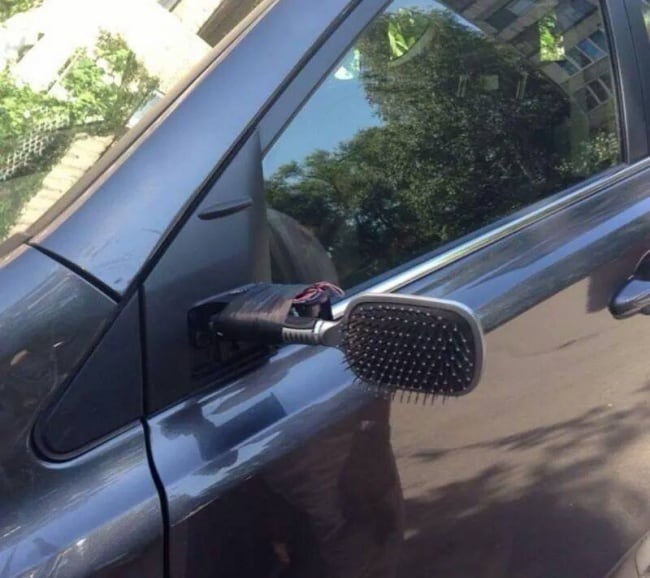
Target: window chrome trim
{"x":553,"y":206}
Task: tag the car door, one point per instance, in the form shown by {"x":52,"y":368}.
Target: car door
{"x":78,"y":497}
{"x":543,"y":218}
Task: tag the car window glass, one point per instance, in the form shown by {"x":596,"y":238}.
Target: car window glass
{"x":442,"y":118}
{"x":75,"y":75}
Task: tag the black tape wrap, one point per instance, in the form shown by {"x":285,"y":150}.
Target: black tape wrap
{"x":257,"y":314}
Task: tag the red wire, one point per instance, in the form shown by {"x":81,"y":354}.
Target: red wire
{"x":314,"y":293}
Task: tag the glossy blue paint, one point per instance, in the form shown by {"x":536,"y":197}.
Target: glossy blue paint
{"x":49,"y":318}
{"x":98,"y":515}
{"x":516,"y":273}
{"x":207,"y":445}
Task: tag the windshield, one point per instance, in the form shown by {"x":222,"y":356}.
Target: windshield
{"x":70,"y":87}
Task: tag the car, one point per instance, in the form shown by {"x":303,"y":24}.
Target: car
{"x":178,"y":179}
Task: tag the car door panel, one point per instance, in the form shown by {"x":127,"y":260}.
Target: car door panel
{"x":552,"y":281}
{"x":97,"y":514}
{"x":548,"y":452}
{"x":538,"y":473}
{"x":209,"y":444}
{"x":81,"y":518}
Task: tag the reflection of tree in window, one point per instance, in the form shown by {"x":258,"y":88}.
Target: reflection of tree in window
{"x":567,"y":14}
{"x":445,"y":161}
{"x":95,"y":94}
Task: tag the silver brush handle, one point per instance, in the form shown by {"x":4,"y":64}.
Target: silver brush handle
{"x":305,"y":331}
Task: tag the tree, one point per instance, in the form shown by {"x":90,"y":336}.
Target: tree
{"x":102,"y":89}
{"x":470,"y":132}
{"x":9,"y":8}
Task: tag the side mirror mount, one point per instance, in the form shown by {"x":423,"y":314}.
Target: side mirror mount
{"x":391,"y":342}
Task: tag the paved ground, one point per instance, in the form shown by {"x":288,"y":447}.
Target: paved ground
{"x":544,"y":471}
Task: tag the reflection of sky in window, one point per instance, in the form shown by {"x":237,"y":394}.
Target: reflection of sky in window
{"x":336,"y":111}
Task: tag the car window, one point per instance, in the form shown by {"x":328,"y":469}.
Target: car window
{"x":75,"y":75}
{"x":441,"y":119}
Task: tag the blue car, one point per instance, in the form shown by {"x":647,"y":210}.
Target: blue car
{"x":342,"y":289}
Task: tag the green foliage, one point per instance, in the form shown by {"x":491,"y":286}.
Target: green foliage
{"x":12,"y":199}
{"x":594,"y":155}
{"x":22,"y":110}
{"x":102,"y":90}
{"x":9,"y":8}
{"x":107,"y":87}
{"x":551,"y":41}
{"x":404,"y":32}
{"x":470,"y":132}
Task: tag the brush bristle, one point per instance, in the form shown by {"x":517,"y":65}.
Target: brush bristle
{"x":406,"y":347}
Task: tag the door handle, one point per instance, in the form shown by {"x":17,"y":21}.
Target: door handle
{"x":634,"y":296}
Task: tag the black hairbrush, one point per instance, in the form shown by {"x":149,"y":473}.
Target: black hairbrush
{"x":391,"y":342}
{"x":402,"y":343}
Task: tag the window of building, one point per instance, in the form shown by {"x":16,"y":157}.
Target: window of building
{"x":579,"y":58}
{"x":569,"y":67}
{"x":607,"y":80}
{"x":566,"y":15}
{"x":590,"y":49}
{"x":458,"y":5}
{"x":599,"y":39}
{"x":520,"y":7}
{"x":584,"y":54}
{"x":434,"y":130}
{"x":507,"y":14}
{"x":600,"y":90}
{"x":501,"y":19}
{"x":571,"y":12}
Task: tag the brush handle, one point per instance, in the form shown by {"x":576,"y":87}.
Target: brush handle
{"x":306,"y":331}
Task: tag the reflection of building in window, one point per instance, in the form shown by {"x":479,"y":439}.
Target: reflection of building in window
{"x":520,"y":17}
{"x":595,"y":93}
{"x":506,"y":15}
{"x":563,"y":38}
{"x":584,"y":53}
